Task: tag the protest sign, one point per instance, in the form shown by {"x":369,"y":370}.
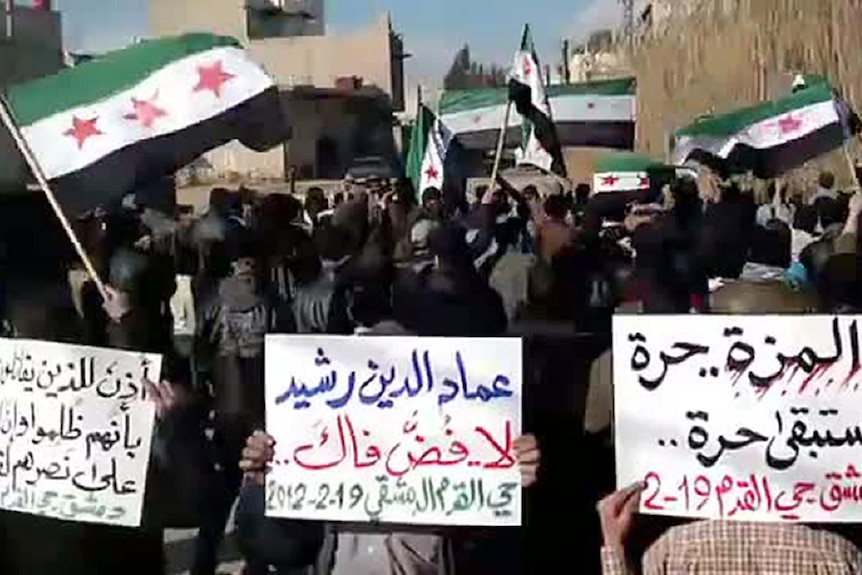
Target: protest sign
{"x":747,"y":418}
{"x":394,"y":429}
{"x":75,"y":431}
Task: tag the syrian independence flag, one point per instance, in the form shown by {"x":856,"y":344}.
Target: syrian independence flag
{"x":627,"y":172}
{"x":108,"y":126}
{"x":429,"y":145}
{"x":771,"y":138}
{"x":540,"y":146}
{"x":591,"y":114}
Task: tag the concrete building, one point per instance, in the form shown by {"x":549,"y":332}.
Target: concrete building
{"x":31,"y":46}
{"x":338,"y":88}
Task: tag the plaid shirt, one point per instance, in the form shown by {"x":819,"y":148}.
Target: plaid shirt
{"x":732,"y":548}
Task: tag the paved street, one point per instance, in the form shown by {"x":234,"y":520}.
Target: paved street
{"x":178,"y":548}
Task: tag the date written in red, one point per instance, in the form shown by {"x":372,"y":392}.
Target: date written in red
{"x":734,"y":497}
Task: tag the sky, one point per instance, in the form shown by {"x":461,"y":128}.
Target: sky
{"x":433,"y":31}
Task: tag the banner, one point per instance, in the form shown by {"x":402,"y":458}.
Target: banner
{"x":394,"y":429}
{"x":748,"y":418}
{"x":75,"y":431}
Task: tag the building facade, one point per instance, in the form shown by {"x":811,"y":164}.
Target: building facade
{"x":31,"y":45}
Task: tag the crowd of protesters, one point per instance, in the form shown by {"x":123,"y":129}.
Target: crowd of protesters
{"x":377,"y":258}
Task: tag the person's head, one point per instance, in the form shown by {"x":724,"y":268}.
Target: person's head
{"x":420,"y":233}
{"x":582,"y":193}
{"x":771,"y":245}
{"x":805,"y":219}
{"x":448,"y":244}
{"x":826,"y":180}
{"x":333,"y":242}
{"x":531,"y":193}
{"x":127,"y":268}
{"x":432,"y":202}
{"x":315,"y":201}
{"x":219,"y":201}
{"x":555,"y":207}
{"x":337,"y":199}
{"x":829,"y":212}
{"x":245,"y":253}
{"x":839,"y":286}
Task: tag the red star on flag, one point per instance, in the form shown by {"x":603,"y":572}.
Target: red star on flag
{"x":81,"y":130}
{"x":788,"y":124}
{"x":528,"y":66}
{"x":591,"y":105}
{"x":477,"y":118}
{"x":212,"y":78}
{"x":610,"y":180}
{"x":643,"y":181}
{"x":145,"y":112}
{"x":432,"y":173}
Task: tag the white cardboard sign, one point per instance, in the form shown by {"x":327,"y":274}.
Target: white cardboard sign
{"x":75,"y":431}
{"x":394,"y":429}
{"x":753,"y":418}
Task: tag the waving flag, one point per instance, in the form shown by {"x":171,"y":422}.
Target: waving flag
{"x":541,"y":146}
{"x":429,"y":146}
{"x":770,"y":138}
{"x":126,"y":119}
{"x":599,"y":114}
{"x":628,"y":172}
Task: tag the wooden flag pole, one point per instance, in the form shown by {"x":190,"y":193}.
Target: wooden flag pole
{"x":21,"y":143}
{"x":501,"y":140}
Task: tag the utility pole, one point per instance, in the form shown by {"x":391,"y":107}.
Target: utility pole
{"x":8,"y":9}
{"x":565,"y":69}
{"x":629,"y":21}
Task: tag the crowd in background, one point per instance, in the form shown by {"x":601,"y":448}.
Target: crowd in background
{"x":542,"y":263}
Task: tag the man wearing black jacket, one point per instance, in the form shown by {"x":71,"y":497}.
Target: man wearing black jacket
{"x":230,"y":354}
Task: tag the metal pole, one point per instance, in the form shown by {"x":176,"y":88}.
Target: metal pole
{"x":9,"y":9}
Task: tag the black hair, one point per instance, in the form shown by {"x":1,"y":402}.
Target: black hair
{"x":805,"y":219}
{"x":582,"y":193}
{"x":828,"y":212}
{"x":555,"y":206}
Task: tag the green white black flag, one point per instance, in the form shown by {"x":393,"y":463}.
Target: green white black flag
{"x":540,"y":146}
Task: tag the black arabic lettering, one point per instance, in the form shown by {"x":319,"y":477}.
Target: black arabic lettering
{"x":777,"y":461}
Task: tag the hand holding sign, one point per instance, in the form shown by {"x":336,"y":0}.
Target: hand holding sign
{"x":616,"y":513}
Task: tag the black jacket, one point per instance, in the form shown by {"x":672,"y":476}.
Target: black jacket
{"x":230,"y":345}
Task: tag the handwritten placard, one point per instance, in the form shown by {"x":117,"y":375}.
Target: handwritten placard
{"x":75,"y":431}
{"x":394,"y":429}
{"x":743,"y":418}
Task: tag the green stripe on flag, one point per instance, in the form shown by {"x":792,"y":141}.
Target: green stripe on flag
{"x":735,"y":122}
{"x":628,"y":162}
{"x":105,"y":76}
{"x":418,"y":144}
{"x":456,"y":101}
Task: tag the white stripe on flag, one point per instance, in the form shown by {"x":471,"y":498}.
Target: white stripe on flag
{"x":770,"y":133}
{"x":171,"y":89}
{"x":620,"y":182}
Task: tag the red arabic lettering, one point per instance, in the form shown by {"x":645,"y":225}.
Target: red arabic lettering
{"x":372,"y":453}
{"x":349,"y":442}
{"x":507,"y":459}
{"x":324,"y":439}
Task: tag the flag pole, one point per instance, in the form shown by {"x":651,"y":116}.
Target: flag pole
{"x":501,"y":140}
{"x":21,"y":143}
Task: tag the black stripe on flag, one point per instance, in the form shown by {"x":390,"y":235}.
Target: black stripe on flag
{"x":772,"y":162}
{"x":259,"y":123}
